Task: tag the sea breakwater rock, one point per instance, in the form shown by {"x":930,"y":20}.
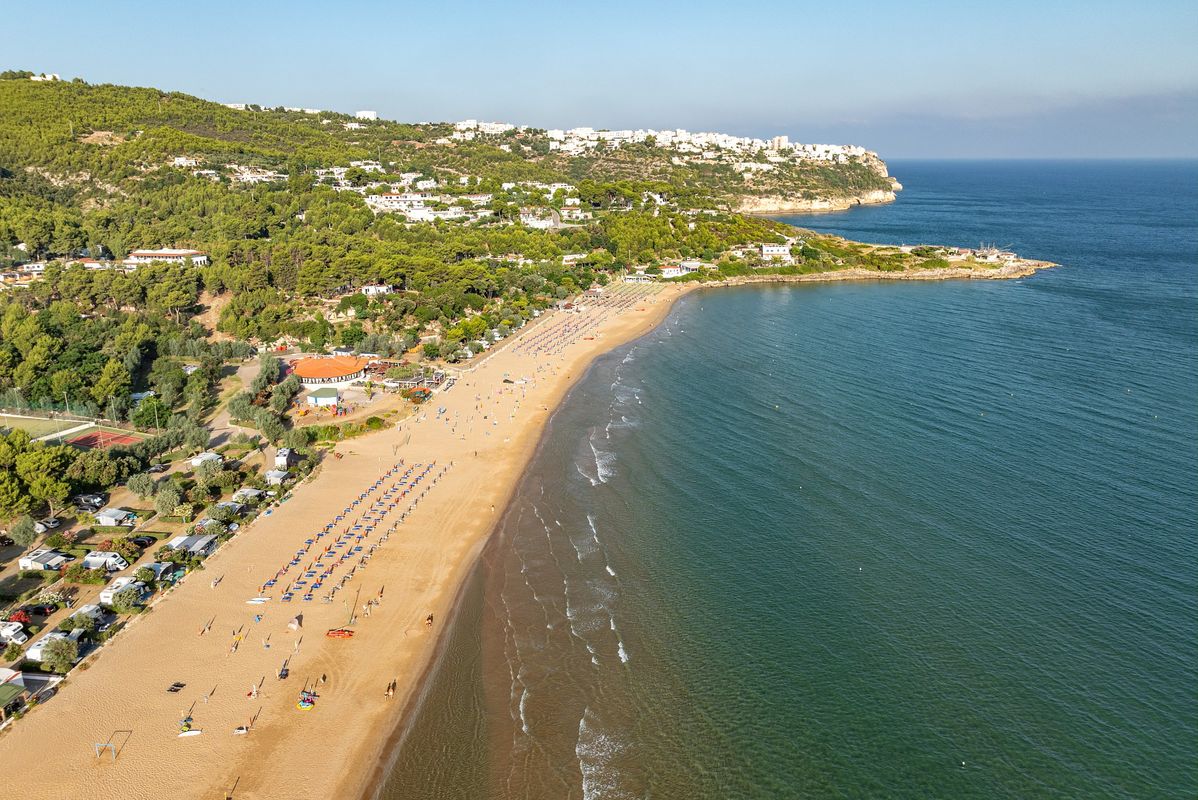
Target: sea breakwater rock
{"x":791,"y":205}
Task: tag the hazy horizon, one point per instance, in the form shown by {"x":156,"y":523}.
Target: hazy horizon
{"x":929,"y":80}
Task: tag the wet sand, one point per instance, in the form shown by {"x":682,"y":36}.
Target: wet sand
{"x":480,"y":443}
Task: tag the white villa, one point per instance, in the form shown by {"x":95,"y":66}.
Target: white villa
{"x":167,"y":255}
{"x":777,"y":252}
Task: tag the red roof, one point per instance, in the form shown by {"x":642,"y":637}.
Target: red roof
{"x":332,"y":367}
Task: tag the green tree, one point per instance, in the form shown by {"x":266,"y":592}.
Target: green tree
{"x":23,"y":532}
{"x":297,"y":438}
{"x":151,"y":413}
{"x":196,"y":438}
{"x":100,"y":469}
{"x":126,"y":600}
{"x":13,"y":499}
{"x":114,"y":381}
{"x":60,"y":655}
{"x":167,"y":499}
{"x":44,"y":473}
{"x":141,"y":484}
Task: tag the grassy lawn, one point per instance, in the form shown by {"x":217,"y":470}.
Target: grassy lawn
{"x":35,"y":426}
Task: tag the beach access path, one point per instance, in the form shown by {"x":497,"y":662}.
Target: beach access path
{"x":480,"y":442}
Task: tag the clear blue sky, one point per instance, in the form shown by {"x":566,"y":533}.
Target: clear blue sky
{"x":909,"y":79}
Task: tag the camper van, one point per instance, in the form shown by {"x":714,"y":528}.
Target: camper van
{"x":34,"y":653}
{"x":108,"y":593}
{"x":105,"y":560}
{"x":13,"y":632}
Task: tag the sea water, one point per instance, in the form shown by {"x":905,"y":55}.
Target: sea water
{"x":903,"y":540}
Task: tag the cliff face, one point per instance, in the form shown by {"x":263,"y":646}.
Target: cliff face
{"x":775,"y":204}
{"x":782,"y":204}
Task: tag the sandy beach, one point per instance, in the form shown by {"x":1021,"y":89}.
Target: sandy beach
{"x":474,"y":441}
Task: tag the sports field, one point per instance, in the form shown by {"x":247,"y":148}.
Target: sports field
{"x":35,"y":426}
{"x":99,"y":436}
{"x":84,"y":435}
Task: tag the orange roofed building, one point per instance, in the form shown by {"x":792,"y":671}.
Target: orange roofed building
{"x":329,"y":370}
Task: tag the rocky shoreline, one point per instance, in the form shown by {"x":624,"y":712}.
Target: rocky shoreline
{"x":776,"y":204}
{"x":1017,"y":269}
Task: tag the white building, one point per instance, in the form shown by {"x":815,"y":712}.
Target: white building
{"x":366,"y":115}
{"x":536,"y":218}
{"x":574,"y":214}
{"x":376,"y":289}
{"x":777,"y":252}
{"x":402,"y":202}
{"x":166,"y":255}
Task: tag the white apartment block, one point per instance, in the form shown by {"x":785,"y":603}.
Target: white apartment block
{"x":167,"y":255}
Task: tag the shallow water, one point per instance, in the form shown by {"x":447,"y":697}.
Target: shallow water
{"x":900,"y":540}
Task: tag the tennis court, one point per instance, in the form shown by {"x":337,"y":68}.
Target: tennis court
{"x":100,"y":437}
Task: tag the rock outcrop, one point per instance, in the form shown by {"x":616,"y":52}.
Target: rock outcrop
{"x":774,"y":204}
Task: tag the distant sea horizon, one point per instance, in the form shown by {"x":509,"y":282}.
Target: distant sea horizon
{"x":904,"y":540}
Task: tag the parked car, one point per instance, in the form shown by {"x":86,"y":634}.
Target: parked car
{"x":157,"y":468}
{"x":51,"y":522}
{"x":39,"y":609}
{"x":143,"y":541}
{"x":39,"y":527}
{"x":6,"y":541}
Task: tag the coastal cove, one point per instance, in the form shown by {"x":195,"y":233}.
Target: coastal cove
{"x":934,"y":513}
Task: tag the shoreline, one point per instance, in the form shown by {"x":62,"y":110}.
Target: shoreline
{"x":413,"y":705}
{"x":276,"y":760}
{"x":389,"y":753}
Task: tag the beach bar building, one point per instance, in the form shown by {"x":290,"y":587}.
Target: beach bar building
{"x":330,"y":370}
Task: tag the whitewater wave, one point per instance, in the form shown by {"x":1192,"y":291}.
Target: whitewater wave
{"x":621,"y":651}
{"x":604,"y":462}
{"x":597,"y":751}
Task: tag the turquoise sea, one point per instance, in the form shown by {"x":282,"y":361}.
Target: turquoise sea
{"x":886,"y":540}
